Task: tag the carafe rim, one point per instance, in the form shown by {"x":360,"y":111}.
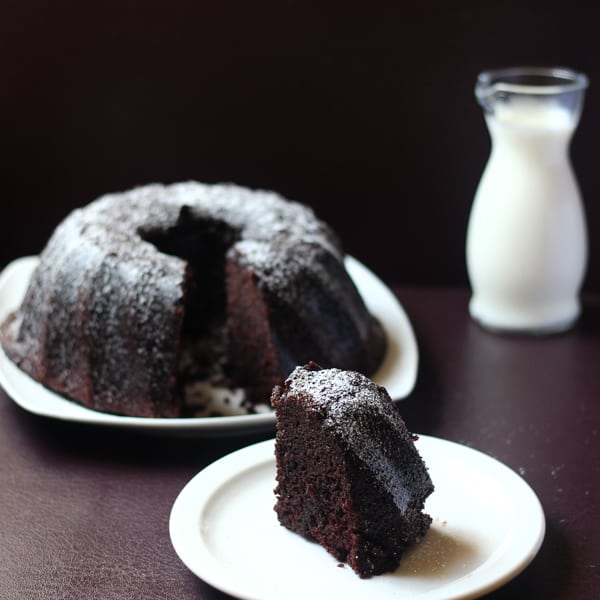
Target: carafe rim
{"x":541,"y":81}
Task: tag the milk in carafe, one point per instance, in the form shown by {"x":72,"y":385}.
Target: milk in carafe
{"x":526,"y":240}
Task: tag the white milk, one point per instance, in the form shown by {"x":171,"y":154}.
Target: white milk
{"x":526,"y":241}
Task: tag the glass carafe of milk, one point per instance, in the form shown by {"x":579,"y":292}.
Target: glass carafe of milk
{"x":526,"y":239}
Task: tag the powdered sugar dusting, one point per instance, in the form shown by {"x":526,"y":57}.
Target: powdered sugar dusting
{"x":101,"y":275}
{"x":367,"y":421}
{"x":338,"y":391}
{"x":262,"y":216}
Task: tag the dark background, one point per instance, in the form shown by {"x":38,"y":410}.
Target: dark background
{"x":363,"y":110}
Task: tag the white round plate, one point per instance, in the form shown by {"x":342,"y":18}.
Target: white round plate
{"x":397,"y":373}
{"x":487,"y":526}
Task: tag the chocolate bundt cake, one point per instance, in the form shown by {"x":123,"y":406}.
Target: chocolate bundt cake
{"x":348,"y":473}
{"x":141,"y":293}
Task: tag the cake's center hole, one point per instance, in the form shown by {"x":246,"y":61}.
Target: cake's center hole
{"x":203,"y":245}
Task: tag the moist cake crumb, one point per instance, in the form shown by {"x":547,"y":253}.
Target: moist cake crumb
{"x":348,"y":473}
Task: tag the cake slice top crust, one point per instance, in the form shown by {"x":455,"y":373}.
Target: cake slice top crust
{"x":365,"y":420}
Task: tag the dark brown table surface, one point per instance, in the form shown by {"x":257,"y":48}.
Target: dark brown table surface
{"x":84,"y":510}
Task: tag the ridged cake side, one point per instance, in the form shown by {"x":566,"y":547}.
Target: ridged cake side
{"x":122,"y":278}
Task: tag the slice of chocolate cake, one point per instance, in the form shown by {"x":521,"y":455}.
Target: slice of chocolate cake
{"x":348,"y":473}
